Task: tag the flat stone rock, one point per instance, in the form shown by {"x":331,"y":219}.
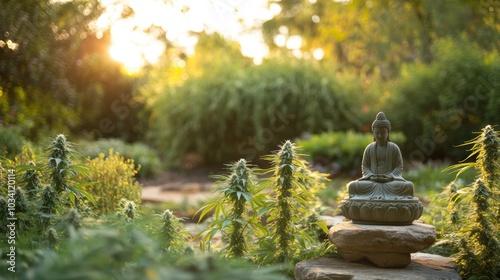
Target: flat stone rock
{"x":423,"y":266}
{"x":383,"y":245}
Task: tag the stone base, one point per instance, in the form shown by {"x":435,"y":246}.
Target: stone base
{"x":385,"y":246}
{"x":423,"y":266}
{"x":382,"y":212}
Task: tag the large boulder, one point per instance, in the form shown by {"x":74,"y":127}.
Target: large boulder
{"x":383,"y":245}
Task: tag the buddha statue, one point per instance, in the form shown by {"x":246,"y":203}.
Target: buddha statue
{"x":381,"y":195}
{"x":381,"y":167}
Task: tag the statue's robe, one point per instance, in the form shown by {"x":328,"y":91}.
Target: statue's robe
{"x":392,"y":166}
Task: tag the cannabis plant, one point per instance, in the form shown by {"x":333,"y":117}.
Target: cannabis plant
{"x":60,"y":165}
{"x":49,"y":203}
{"x":71,"y":222}
{"x":237,"y":195}
{"x":31,"y":181}
{"x":476,"y":212}
{"x":127,"y":210}
{"x":172,"y":235}
{"x":52,"y":238}
{"x":24,"y":209}
{"x":290,"y":204}
{"x":21,"y":201}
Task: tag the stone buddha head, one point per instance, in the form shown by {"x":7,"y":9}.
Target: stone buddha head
{"x":381,"y":128}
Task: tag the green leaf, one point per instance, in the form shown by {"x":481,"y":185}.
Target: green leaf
{"x":72,"y":198}
{"x":225,"y":223}
{"x":322,"y":225}
{"x":81,"y":193}
{"x":23,"y":168}
{"x":204,"y":210}
{"x":247,"y":196}
{"x":459,"y":168}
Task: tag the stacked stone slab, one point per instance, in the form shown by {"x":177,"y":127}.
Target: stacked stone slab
{"x":385,"y":246}
{"x":423,"y":267}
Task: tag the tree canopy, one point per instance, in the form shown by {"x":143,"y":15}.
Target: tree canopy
{"x":369,"y":35}
{"x":55,"y":71}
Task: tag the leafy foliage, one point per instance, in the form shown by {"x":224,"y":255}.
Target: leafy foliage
{"x":430,"y":179}
{"x":292,"y":198}
{"x":273,"y":229}
{"x":104,"y":253}
{"x":43,"y":39}
{"x":232,"y":216}
{"x":60,"y":166}
{"x":341,"y":148}
{"x":172,"y":234}
{"x":242,"y":112}
{"x":376,"y":38}
{"x":145,"y":158}
{"x":52,"y":51}
{"x":114,"y":180}
{"x":46,"y":191}
{"x":11,"y":141}
{"x":56,"y":241}
{"x":455,"y":94}
{"x":475,"y":210}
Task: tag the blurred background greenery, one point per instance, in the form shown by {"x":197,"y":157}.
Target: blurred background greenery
{"x":116,"y":78}
{"x":432,"y":67}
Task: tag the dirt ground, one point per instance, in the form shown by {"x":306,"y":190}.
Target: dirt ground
{"x":178,"y":186}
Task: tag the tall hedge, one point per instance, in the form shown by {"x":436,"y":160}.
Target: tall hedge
{"x":243,"y":112}
{"x":436,"y":105}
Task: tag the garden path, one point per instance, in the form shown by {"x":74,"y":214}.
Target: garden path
{"x":178,"y":186}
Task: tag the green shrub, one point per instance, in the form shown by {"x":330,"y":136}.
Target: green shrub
{"x":246,"y":112}
{"x":343,"y":148}
{"x":114,"y":180}
{"x":429,"y":178}
{"x":11,"y":141}
{"x":145,"y":158}
{"x":436,"y":105}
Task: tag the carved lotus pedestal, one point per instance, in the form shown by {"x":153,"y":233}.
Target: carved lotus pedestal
{"x":382,"y":212}
{"x":383,"y":245}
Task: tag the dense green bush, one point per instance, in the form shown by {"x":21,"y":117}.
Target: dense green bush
{"x":114,"y":180}
{"x":145,"y":158}
{"x":429,"y":178}
{"x":245,"y":112}
{"x":342,"y":148}
{"x":436,"y":105}
{"x":11,"y":141}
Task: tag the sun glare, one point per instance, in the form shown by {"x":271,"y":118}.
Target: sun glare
{"x":133,"y":47}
